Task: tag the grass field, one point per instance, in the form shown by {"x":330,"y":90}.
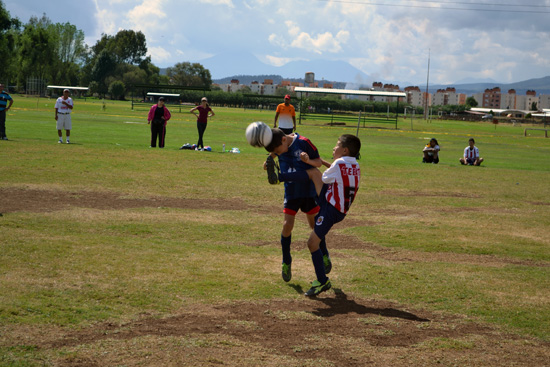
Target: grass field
{"x":116,"y":254}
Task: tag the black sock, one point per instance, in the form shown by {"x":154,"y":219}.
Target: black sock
{"x":285,"y":244}
{"x":317,"y":258}
{"x":323,"y":247}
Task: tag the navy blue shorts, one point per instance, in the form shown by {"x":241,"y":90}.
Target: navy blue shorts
{"x":327,"y":217}
{"x":307,"y":205}
{"x":470,"y":161}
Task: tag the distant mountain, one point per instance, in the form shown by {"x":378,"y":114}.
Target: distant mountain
{"x":242,"y":63}
{"x":540,"y":85}
{"x":476,"y":81}
{"x":248,"y":68}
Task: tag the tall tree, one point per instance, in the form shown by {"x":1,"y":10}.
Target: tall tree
{"x":187,"y":74}
{"x":103,"y":68}
{"x":70,"y":50}
{"x":471,"y":101}
{"x":36,"y":50}
{"x":8,"y":34}
{"x":129,"y":47}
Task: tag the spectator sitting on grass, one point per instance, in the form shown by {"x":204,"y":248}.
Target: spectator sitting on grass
{"x":431,"y":152}
{"x":471,"y":155}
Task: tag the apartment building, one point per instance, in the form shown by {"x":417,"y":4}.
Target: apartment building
{"x":544,"y":101}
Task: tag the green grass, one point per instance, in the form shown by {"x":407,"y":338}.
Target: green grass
{"x":488,"y":227}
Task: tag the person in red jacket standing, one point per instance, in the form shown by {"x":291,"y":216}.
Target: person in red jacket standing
{"x":202,"y":119}
{"x":157,"y":118}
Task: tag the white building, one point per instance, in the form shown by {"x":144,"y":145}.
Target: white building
{"x":544,"y":101}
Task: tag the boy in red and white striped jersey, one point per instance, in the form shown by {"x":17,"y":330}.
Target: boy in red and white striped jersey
{"x":471,"y":154}
{"x":336,"y":188}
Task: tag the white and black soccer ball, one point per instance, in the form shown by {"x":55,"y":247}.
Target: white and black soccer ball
{"x":258,"y":134}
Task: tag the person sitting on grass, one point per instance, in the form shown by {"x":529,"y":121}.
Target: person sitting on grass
{"x":298,"y":195}
{"x":336,"y":187}
{"x":431,"y":152}
{"x":471,"y":155}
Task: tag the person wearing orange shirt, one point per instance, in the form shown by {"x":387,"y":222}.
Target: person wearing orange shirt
{"x":287,"y":116}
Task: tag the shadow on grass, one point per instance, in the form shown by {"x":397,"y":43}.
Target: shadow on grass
{"x":297,"y":288}
{"x":341,"y":305}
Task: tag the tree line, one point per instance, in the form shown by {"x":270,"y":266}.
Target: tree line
{"x":55,"y":53}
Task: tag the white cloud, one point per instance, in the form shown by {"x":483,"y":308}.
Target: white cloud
{"x":158,"y":54}
{"x":229,"y":3}
{"x":277,"y":61}
{"x":320,"y":43}
{"x":147,"y":16}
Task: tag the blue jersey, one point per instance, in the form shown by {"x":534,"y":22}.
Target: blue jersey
{"x":4,"y":98}
{"x":291,"y":162}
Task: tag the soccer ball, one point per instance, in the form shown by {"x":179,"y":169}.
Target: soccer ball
{"x":258,"y":134}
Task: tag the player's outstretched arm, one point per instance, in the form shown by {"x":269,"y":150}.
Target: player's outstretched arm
{"x":318,"y":162}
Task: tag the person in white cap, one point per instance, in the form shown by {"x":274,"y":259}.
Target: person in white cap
{"x":63,"y":109}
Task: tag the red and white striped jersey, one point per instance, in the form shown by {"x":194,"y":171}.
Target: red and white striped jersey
{"x":471,"y":153}
{"x":342,"y":178}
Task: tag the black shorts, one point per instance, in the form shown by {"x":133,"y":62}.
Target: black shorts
{"x":287,"y":131}
{"x":306,"y":205}
{"x":327,"y":217}
{"x":431,"y":159}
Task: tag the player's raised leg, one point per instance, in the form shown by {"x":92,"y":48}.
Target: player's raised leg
{"x":322,"y":245}
{"x":322,"y":283}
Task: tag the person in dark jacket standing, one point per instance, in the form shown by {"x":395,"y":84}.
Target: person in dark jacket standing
{"x":158,"y":118}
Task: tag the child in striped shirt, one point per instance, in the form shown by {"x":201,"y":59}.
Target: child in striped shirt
{"x":336,"y":187}
{"x":471,"y":155}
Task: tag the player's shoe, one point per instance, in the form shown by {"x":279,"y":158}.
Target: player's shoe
{"x":317,"y":287}
{"x":68,"y":142}
{"x":272,"y":170}
{"x":287,"y":272}
{"x":328,"y":263}
{"x":60,"y":141}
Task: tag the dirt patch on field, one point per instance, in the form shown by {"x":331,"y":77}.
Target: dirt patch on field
{"x":331,"y":330}
{"x":39,"y":201}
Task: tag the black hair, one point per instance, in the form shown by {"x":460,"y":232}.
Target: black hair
{"x":434,"y":139}
{"x":472,"y":139}
{"x":276,"y":140}
{"x":353,"y":143}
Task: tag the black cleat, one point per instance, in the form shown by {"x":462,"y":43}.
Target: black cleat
{"x":317,"y":287}
{"x":272,"y":170}
{"x":287,"y":272}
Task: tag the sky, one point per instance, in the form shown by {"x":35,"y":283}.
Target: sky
{"x":392,"y":40}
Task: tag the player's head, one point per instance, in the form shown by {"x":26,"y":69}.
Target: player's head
{"x":433,"y":142}
{"x":161,"y":101}
{"x":66,"y":92}
{"x":287,"y":99}
{"x":347,"y":145}
{"x":278,"y":142}
{"x":471,"y":142}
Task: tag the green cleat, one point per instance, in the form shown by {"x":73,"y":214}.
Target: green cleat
{"x":317,"y":287}
{"x":287,"y":272}
{"x":272,"y":170}
{"x":328,"y":263}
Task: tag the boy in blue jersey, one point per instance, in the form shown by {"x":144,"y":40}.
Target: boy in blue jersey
{"x":298,"y":195}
